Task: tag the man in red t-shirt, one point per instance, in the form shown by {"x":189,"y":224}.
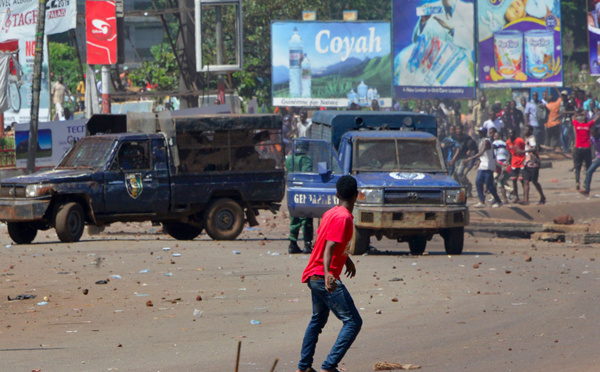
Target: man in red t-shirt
{"x":516,"y":148}
{"x":583,"y":150}
{"x":322,"y":275}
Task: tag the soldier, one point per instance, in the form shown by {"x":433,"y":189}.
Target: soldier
{"x":302,"y":163}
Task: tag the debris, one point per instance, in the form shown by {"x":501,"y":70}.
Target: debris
{"x":198,"y":298}
{"x":149,"y":303}
{"x":378,"y":311}
{"x":197,"y":313}
{"x":22,"y":297}
{"x":176,"y":254}
{"x":507,"y":271}
{"x":527,"y":259}
{"x":237,"y":252}
{"x":116,"y":276}
{"x":85,"y":291}
{"x":565,"y":219}
{"x":168,"y":274}
{"x":385,"y":366}
{"x":166,"y":249}
{"x":396,"y":280}
{"x":476,"y":266}
{"x":43,"y":303}
{"x":395,"y":299}
{"x":255,"y":322}
{"x":144,"y":271}
{"x":102,"y":282}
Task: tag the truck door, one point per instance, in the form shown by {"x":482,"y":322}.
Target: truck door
{"x":136,"y":182}
{"x":313,"y":170}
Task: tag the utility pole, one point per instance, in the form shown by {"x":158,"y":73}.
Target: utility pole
{"x":106,"y":82}
{"x":37,"y":82}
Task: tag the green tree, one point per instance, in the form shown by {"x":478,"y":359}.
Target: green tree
{"x":163,"y":70}
{"x":63,"y":62}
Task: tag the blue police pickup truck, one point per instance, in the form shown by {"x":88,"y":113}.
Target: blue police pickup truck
{"x":188,"y":173}
{"x":405,"y":192}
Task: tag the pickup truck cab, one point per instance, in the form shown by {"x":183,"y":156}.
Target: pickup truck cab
{"x":211,"y":172}
{"x":405,"y":192}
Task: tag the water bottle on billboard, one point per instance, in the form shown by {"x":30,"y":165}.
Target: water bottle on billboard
{"x":306,"y":77}
{"x":362,"y":92}
{"x":295,"y":61}
{"x":352,"y":97}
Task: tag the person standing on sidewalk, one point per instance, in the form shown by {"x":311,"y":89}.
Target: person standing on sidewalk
{"x":487,"y":167}
{"x":322,"y":275}
{"x":516,"y":148}
{"x":595,"y":141}
{"x":583,"y":151}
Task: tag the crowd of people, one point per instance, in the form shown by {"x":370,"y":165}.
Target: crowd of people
{"x":505,"y":140}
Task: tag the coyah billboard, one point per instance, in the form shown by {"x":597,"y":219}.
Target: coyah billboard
{"x":101,"y":26}
{"x":18,"y":18}
{"x":593,"y":25}
{"x":434,"y":43}
{"x":331,"y":64}
{"x":519,"y":43}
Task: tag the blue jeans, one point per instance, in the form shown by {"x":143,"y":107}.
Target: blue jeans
{"x":486,"y":177}
{"x":590,"y":172}
{"x":565,"y":137}
{"x":341,"y":304}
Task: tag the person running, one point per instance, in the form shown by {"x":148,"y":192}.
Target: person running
{"x":503,"y":167}
{"x":468,"y":147}
{"x":322,"y":275}
{"x":595,"y":141}
{"x":487,"y":166}
{"x":516,"y":149}
{"x":531,"y":169}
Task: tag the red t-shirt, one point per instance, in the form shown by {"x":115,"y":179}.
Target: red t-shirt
{"x":336,"y":226}
{"x":517,"y":159}
{"x":582,"y":133}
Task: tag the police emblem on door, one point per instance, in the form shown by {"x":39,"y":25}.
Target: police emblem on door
{"x":134,"y":184}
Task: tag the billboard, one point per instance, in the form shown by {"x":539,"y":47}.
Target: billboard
{"x":20,"y":91}
{"x":593,"y":24}
{"x":330,"y":63}
{"x":101,"y":32}
{"x":519,"y":43}
{"x":54,"y":139}
{"x":434,"y":43}
{"x":18,"y":19}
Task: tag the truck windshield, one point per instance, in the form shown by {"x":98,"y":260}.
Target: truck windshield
{"x":89,"y":152}
{"x":399,"y":155}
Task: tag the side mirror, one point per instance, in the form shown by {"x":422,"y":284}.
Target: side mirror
{"x":322,"y":168}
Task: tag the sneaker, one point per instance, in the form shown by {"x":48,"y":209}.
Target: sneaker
{"x":307,"y":248}
{"x":584,"y":193}
{"x":479,"y":205}
{"x":577,"y":186}
{"x":497,"y":205}
{"x":293,"y":248}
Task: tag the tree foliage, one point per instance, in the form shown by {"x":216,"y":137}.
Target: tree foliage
{"x":163,"y":70}
{"x":63,"y":62}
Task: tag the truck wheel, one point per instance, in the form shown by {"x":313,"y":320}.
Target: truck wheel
{"x":360,"y":241}
{"x":181,"y":231}
{"x":417,"y":245}
{"x":224,"y":219}
{"x":454,"y":240}
{"x":21,"y":232}
{"x":70,"y":222}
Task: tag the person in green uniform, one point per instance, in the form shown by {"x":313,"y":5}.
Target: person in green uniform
{"x":302,"y":163}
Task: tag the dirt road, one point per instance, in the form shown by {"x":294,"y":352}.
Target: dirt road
{"x":491,"y":309}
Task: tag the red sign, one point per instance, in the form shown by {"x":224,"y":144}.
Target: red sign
{"x":101,"y":23}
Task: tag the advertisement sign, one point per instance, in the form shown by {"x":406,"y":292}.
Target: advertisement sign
{"x":54,"y":139}
{"x":519,"y":43}
{"x":20,"y":91}
{"x":18,"y":18}
{"x":331,"y":64}
{"x":593,"y":24}
{"x":434,"y":43}
{"x":101,"y":27}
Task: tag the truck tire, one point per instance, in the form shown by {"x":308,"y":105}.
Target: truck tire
{"x":224,"y":219}
{"x":454,"y":240}
{"x":417,"y":245}
{"x":70,"y":222}
{"x":181,"y":231}
{"x":21,"y":232}
{"x":360,"y":241}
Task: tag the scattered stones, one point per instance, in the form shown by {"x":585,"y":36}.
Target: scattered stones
{"x":476,"y":266}
{"x":149,"y":303}
{"x":85,"y":291}
{"x":527,"y":258}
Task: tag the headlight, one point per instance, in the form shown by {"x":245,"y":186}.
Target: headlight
{"x":34,"y":191}
{"x":456,"y":196}
{"x":370,"y":196}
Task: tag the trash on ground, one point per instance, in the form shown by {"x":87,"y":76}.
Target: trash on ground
{"x":21,"y":297}
{"x":385,"y":366}
{"x":255,"y":321}
{"x":102,"y":282}
{"x":43,"y":303}
{"x":197,"y":313}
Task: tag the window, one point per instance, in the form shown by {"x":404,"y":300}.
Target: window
{"x":133,"y":156}
{"x":308,"y":155}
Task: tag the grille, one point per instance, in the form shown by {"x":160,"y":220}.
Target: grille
{"x":367,"y":217}
{"x":12,"y":191}
{"x":413,"y":196}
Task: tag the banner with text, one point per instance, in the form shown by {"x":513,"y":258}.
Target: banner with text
{"x":593,"y":24}
{"x":331,"y":64}
{"x":434,"y":45}
{"x":18,"y":18}
{"x":54,"y":139}
{"x":20,"y":90}
{"x":101,"y":25}
{"x":519,"y":44}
